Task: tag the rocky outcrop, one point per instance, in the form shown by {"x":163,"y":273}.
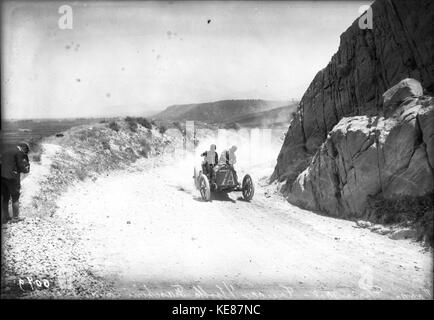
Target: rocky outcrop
{"x":370,"y":155}
{"x":352,"y":137}
{"x":367,"y":63}
{"x":398,"y":93}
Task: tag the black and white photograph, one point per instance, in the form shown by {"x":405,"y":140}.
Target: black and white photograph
{"x":217,"y":150}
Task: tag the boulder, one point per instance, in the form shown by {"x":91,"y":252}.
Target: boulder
{"x":375,"y":227}
{"x":382,"y":230}
{"x":416,"y":180}
{"x":363,"y":224}
{"x":364,"y":156}
{"x":405,"y":233}
{"x":398,"y":93}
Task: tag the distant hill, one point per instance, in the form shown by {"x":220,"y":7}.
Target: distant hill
{"x":219,"y":111}
{"x":269,"y":118}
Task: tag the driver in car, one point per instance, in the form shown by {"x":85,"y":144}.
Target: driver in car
{"x":228,"y":157}
{"x":210,"y":160}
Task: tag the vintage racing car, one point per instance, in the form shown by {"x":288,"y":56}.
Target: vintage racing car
{"x":222,"y":180}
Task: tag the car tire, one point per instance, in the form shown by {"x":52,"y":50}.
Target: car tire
{"x":204,"y":188}
{"x":248,"y":188}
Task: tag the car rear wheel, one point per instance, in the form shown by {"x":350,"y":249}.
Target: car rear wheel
{"x":204,"y":188}
{"x":248,"y":188}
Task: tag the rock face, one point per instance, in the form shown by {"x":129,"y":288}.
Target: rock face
{"x":368,"y":155}
{"x":367,"y":63}
{"x":351,"y":136}
{"x":398,"y":93}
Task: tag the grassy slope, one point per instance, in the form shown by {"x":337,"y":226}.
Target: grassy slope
{"x":90,"y":150}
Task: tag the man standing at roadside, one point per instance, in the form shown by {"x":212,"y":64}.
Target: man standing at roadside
{"x":13,"y":163}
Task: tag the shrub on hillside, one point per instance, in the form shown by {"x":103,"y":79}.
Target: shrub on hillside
{"x":425,"y":227}
{"x":105,"y":145}
{"x":88,"y":134}
{"x":114,"y":126}
{"x":179,"y":126}
{"x":133,"y":126}
{"x":162,"y":129}
{"x":130,"y":155}
{"x":417,"y":211}
{"x":132,"y":123}
{"x":144,"y":123}
{"x":399,"y":210}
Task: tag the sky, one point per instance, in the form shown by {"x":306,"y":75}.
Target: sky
{"x":132,"y":58}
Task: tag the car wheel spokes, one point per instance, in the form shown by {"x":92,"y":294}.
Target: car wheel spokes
{"x":248,"y":188}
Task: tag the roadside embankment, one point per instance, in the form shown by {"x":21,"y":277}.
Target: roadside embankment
{"x":42,"y":255}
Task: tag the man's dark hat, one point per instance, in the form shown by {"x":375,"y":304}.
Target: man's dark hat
{"x":24,"y":146}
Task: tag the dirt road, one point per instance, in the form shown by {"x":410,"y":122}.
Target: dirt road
{"x":151,"y":234}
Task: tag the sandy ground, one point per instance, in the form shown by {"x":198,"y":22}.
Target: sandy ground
{"x":150,"y":233}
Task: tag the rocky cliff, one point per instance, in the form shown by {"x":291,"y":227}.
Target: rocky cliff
{"x":364,"y":156}
{"x":348,"y":141}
